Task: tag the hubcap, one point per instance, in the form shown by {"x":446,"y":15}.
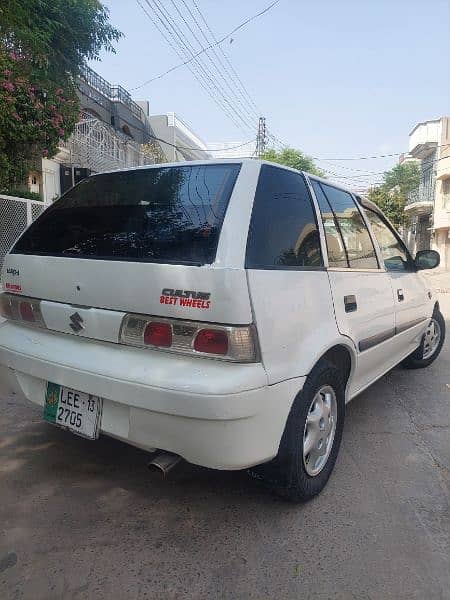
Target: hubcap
{"x":431,"y":339}
{"x":319,"y":431}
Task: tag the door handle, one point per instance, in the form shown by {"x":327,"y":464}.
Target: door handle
{"x":350,"y":303}
{"x":400,"y":295}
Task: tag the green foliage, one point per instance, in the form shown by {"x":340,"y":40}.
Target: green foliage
{"x":58,"y":36}
{"x":23,"y":194}
{"x":33,"y":118}
{"x":405,"y":177}
{"x":391,"y":203}
{"x":295,"y":159}
{"x":391,"y":195}
{"x":43,"y":44}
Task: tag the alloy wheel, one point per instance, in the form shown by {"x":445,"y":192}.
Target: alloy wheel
{"x":431,"y":339}
{"x":319,"y":431}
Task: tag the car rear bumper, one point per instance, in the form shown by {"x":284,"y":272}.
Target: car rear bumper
{"x":212,"y":413}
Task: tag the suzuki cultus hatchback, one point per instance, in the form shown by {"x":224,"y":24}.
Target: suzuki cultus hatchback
{"x":221,"y":311}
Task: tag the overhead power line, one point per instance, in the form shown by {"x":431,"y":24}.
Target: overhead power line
{"x":239,"y":83}
{"x":154,"y":137}
{"x":220,"y":74}
{"x":167,"y":33}
{"x":217,"y":43}
{"x":373,"y":157}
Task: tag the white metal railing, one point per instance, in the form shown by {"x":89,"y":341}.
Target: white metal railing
{"x":15,"y":216}
{"x":99,"y":147}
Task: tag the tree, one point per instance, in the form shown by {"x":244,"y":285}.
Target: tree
{"x":43,"y":46}
{"x":58,"y":36}
{"x":404,"y":177}
{"x":296,"y":159}
{"x":391,"y":195}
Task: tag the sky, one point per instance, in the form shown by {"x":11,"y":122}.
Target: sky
{"x":335,"y":79}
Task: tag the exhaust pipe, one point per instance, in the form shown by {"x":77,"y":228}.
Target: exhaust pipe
{"x":164,"y":462}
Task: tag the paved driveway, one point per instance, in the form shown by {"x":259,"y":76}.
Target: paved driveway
{"x":88,"y":520}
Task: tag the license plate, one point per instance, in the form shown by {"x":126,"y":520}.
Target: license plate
{"x":77,"y":411}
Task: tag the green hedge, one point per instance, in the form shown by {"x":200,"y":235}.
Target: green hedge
{"x":23,"y":194}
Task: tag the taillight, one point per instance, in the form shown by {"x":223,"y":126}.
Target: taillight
{"x":6,"y":306}
{"x":211,"y":341}
{"x":26,"y":311}
{"x":158,"y":334}
{"x":19,"y":308}
{"x":234,"y":343}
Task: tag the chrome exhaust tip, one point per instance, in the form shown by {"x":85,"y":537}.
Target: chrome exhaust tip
{"x":164,"y":462}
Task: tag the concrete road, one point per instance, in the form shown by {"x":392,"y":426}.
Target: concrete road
{"x":87,"y":520}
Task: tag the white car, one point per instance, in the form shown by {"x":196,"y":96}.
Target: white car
{"x":221,"y":311}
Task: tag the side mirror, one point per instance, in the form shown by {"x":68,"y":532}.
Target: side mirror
{"x":427,"y":259}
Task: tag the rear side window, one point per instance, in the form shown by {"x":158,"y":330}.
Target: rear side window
{"x":348,"y":239}
{"x":167,"y":214}
{"x":283,"y":230}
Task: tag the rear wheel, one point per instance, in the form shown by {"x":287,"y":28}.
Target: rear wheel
{"x":431,"y":345}
{"x":311,"y":439}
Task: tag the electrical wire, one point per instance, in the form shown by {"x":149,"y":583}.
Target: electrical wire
{"x":202,"y":83}
{"x":217,"y":43}
{"x":199,"y":69}
{"x":212,"y":61}
{"x":231,"y":71}
{"x":154,"y":137}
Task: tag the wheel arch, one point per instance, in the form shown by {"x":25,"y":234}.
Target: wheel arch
{"x":342,"y":355}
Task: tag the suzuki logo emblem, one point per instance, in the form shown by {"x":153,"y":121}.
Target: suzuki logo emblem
{"x":76,"y":323}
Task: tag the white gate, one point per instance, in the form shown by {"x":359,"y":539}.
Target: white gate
{"x":15,"y":216}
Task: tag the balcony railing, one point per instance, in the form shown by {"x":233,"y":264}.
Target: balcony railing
{"x":425,"y":194}
{"x":115,"y":93}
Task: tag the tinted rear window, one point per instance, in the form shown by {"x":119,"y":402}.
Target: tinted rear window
{"x":167,"y":214}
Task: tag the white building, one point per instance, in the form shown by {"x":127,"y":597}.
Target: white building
{"x":428,"y":207}
{"x":177,"y":140}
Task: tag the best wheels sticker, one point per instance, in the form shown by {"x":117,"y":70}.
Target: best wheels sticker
{"x":188,"y":298}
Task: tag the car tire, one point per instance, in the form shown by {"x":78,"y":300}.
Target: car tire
{"x":429,"y":349}
{"x":294,"y":473}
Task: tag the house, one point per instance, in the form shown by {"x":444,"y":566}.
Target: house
{"x":428,"y":207}
{"x":114,"y":132}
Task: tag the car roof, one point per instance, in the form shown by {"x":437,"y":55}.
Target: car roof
{"x":187,"y":163}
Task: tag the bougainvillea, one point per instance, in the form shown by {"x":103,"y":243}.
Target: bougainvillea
{"x":43,"y":46}
{"x":33,"y":117}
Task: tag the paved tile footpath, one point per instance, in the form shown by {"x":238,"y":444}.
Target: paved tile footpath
{"x":88,"y":520}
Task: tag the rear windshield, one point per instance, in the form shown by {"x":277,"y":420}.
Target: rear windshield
{"x":167,"y":214}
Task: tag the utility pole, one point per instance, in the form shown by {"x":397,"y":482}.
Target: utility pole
{"x":261,"y":139}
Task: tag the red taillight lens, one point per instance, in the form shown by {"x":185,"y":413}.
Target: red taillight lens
{"x":26,"y":312}
{"x":212,"y":341}
{"x":158,"y":334}
{"x":5,"y":307}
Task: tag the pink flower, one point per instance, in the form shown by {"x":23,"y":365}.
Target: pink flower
{"x":59,"y":91}
{"x":9,"y":86}
{"x":14,"y":56}
{"x":45,"y":152}
{"x":7,"y":72}
{"x":61,"y":132}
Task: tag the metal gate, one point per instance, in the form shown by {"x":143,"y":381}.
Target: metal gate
{"x":15,"y":216}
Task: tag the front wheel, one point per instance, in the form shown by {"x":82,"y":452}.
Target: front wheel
{"x":311,"y":439}
{"x":431,"y":344}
